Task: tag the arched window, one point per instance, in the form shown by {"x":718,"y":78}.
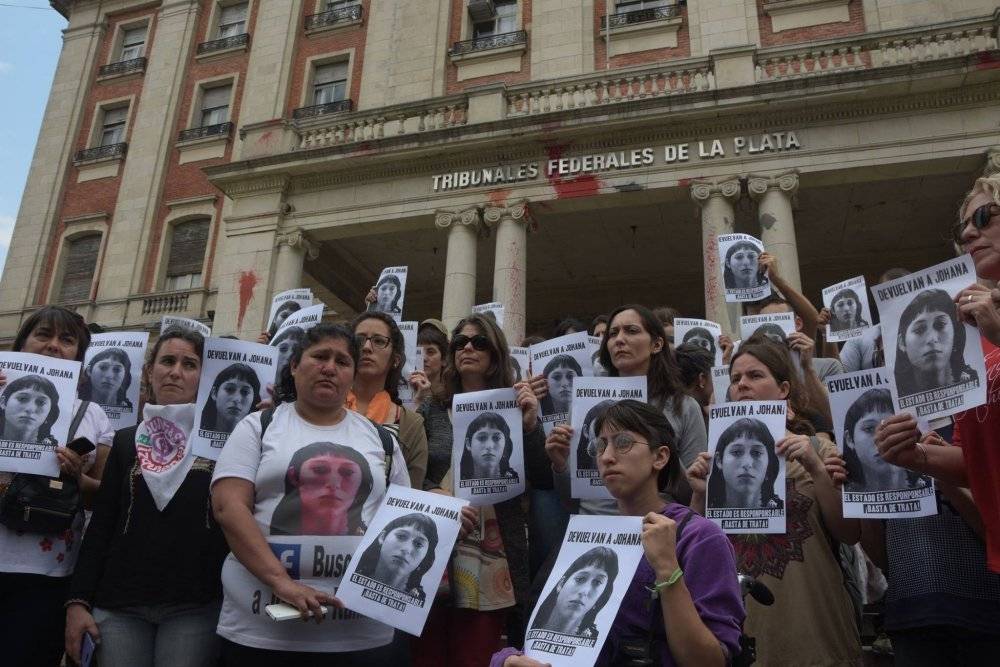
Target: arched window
{"x":79,"y":264}
{"x":187,"y":254}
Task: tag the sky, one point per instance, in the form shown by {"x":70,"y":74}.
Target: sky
{"x":30,"y":42}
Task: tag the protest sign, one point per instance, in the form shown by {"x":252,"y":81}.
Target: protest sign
{"x":112,"y":375}
{"x":703,"y":333}
{"x":742,"y":276}
{"x":850,"y":313}
{"x":390,"y":292}
{"x":489,"y":446}
{"x":561,"y":360}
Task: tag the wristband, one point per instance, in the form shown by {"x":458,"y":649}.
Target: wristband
{"x":70,"y":603}
{"x":655,"y":589}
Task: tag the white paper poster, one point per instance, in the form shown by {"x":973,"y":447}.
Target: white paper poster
{"x":742,"y":276}
{"x":591,"y":398}
{"x":285,"y":304}
{"x":746,"y":483}
{"x":597,"y":560}
{"x":395,"y":573}
{"x":489,"y":446}
{"x":875,"y":488}
{"x":414,"y":361}
{"x":184,"y":323}
{"x":520,"y":363}
{"x":776,"y":326}
{"x":390,"y":292}
{"x":561,"y":360}
{"x":720,"y":384}
{"x":112,"y":375}
{"x":234,"y":374}
{"x":293,"y":332}
{"x":595,"y":356}
{"x":850,"y":313}
{"x":703,"y":333}
{"x":36,"y":408}
{"x":936,"y":359}
{"x":495,"y":308}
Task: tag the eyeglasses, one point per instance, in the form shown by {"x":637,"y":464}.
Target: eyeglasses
{"x":622,"y":442}
{"x":479,"y":342}
{"x":980,"y":219}
{"x":378,"y":342}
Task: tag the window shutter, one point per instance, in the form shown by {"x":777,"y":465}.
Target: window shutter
{"x":187,"y":247}
{"x":78,"y":268}
{"x":115,"y":116}
{"x":233,"y":13}
{"x":214,"y":98}
{"x":330,"y":73}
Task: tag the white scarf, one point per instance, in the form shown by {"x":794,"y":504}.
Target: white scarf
{"x":161,"y":445}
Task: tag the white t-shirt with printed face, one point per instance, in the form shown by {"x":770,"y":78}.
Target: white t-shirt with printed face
{"x":316,"y":488}
{"x":54,"y":555}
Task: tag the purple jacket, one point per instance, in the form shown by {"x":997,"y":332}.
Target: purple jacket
{"x":706,"y":556}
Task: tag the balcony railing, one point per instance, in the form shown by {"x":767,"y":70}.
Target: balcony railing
{"x":622,"y":19}
{"x":123,"y":67}
{"x":322,"y":109}
{"x":333,"y":17}
{"x":220,"y":130}
{"x":224,"y":43}
{"x":101,"y":153}
{"x":166,"y":303}
{"x":490,"y":42}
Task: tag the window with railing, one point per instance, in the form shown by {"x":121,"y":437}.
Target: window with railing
{"x":232,"y":20}
{"x":502,"y":21}
{"x":215,"y":105}
{"x":113,"y":126}
{"x":133,"y":43}
{"x":187,"y":254}
{"x":79,"y":264}
{"x":329,"y":83}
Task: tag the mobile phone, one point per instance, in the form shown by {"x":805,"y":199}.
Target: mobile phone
{"x":87,"y":647}
{"x":81,"y":446}
{"x":286,"y":612}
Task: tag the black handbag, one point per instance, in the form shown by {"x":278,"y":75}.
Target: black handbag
{"x":39,"y":504}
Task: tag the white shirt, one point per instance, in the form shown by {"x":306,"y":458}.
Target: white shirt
{"x":318,"y":561}
{"x":54,"y":555}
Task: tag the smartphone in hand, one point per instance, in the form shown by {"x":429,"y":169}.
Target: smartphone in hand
{"x":87,"y":648}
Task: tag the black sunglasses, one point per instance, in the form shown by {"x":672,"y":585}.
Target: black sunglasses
{"x":479,"y":342}
{"x":980,"y":219}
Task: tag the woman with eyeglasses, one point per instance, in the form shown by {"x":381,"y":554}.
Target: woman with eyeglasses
{"x":688,"y":569}
{"x":489,"y":582}
{"x":635,"y":344}
{"x":376,"y":388}
{"x":812,"y":621}
{"x":976,"y":462}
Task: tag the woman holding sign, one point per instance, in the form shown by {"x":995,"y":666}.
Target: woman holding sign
{"x":812,"y":620}
{"x":35,"y":568}
{"x":150,"y":561}
{"x":687,"y":568}
{"x":493,"y":559}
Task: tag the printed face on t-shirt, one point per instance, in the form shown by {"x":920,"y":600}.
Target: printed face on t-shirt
{"x":328,"y":483}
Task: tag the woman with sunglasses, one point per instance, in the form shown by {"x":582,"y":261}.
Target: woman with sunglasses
{"x":976,"y":463}
{"x":812,"y":621}
{"x":375,"y":393}
{"x":489,"y":585}
{"x":687,"y":560}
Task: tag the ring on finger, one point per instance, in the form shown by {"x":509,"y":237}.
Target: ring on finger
{"x":968,"y":298}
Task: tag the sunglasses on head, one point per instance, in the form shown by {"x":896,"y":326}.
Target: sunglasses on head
{"x":479,"y":342}
{"x":980,"y":219}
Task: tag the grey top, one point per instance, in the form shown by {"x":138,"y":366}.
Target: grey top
{"x":824,"y":367}
{"x":858,"y":354}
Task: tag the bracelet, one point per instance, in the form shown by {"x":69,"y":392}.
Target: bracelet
{"x":923,"y":451}
{"x":73,"y":601}
{"x":655,"y":589}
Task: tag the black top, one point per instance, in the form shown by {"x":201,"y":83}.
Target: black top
{"x":134,"y":554}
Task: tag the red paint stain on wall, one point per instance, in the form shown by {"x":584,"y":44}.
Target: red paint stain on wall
{"x":583,"y":185}
{"x":248,"y":280}
{"x":711,"y":263}
{"x":499,"y":196}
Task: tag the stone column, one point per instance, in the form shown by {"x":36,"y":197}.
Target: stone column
{"x":293,"y":247}
{"x":510,"y":264}
{"x":460,"y":266}
{"x":774,"y":195}
{"x":716,"y":199}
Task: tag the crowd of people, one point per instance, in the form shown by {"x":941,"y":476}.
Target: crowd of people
{"x":176,"y":569}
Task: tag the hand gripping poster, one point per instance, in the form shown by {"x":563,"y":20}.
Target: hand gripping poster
{"x":591,"y":399}
{"x":112,"y":375}
{"x":36,"y":409}
{"x":850,"y":313}
{"x":742,"y":276}
{"x":875,"y":489}
{"x":776,"y":326}
{"x":390,"y":292}
{"x":746,"y":481}
{"x":233,"y":375}
{"x":703,"y":333}
{"x":936,"y":359}
{"x":561,"y":360}
{"x":520,"y":363}
{"x":185,"y":324}
{"x":494,"y":308}
{"x":292,"y":332}
{"x":595,"y":566}
{"x":284,"y":305}
{"x":489,"y":446}
{"x":395,"y":573}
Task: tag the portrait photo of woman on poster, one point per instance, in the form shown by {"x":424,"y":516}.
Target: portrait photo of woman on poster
{"x":572,"y":606}
{"x":741,"y":269}
{"x":744,"y":468}
{"x":387,"y":294}
{"x":846,"y":311}
{"x":402,"y":554}
{"x":930,"y":345}
{"x":29,"y":406}
{"x":560,"y":372}
{"x":867,"y":471}
{"x":487,"y":449}
{"x":234,"y":393}
{"x":107,"y":378}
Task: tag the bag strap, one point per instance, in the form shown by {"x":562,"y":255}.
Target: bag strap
{"x":78,"y":418}
{"x":388,"y":446}
{"x":265,"y":420}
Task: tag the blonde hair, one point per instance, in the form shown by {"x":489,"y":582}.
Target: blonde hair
{"x":988,"y":184}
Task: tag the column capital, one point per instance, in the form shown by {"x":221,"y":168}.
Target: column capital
{"x":470,"y":217}
{"x":787,"y":182}
{"x":704,"y":189}
{"x":516,"y":211}
{"x":297,"y":239}
{"x":992,"y":167}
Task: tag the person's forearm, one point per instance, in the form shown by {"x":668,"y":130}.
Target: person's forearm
{"x":247,"y":543}
{"x":945,"y":463}
{"x":873,"y":541}
{"x":846,"y":531}
{"x":698,"y":503}
{"x":689,"y":639}
{"x":800,"y":304}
